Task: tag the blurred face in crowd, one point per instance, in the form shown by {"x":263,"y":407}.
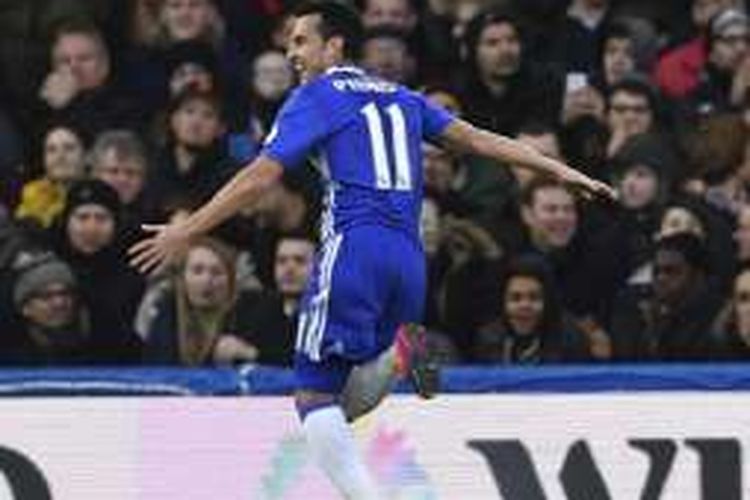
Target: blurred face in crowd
{"x":63,"y":155}
{"x":387,"y":57}
{"x":545,"y":143}
{"x":53,"y":306}
{"x":90,"y":228}
{"x":498,"y":52}
{"x":438,"y":168}
{"x":618,"y":59}
{"x":206,"y":279}
{"x":673,"y":276}
{"x":126,"y":175}
{"x":84,"y":56}
{"x":524,"y":304}
{"x":187,"y":19}
{"x":429,"y":226}
{"x":552,"y":217}
{"x":196,"y":123}
{"x":730,"y":48}
{"x":630,"y":112}
{"x":678,"y":220}
{"x":309,"y":53}
{"x":272,"y":76}
{"x":190,"y":75}
{"x":294,"y":258}
{"x":703,"y":10}
{"x":741,"y":299}
{"x":742,"y":234}
{"x":638,"y":188}
{"x":396,"y":13}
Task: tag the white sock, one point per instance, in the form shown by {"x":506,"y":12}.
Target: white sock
{"x":368,"y":384}
{"x":332,"y":444}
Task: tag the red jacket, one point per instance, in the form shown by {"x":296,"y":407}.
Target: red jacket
{"x":678,"y":71}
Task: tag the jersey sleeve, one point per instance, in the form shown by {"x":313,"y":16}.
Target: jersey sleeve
{"x":298,"y":129}
{"x":435,"y":118}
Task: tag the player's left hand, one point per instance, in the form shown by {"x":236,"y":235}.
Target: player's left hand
{"x":589,"y":188}
{"x":168,"y":242}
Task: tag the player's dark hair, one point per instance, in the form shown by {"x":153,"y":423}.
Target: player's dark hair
{"x":337,"y":19}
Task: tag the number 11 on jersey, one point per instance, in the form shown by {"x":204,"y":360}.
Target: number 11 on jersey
{"x":399,"y":145}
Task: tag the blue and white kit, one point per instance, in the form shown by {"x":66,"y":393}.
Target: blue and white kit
{"x":365,"y":134}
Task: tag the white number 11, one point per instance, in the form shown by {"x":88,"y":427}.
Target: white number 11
{"x":383,"y":178}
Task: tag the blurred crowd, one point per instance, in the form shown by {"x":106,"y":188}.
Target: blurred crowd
{"x":119,"y":113}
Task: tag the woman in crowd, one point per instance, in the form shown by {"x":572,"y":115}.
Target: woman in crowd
{"x":199,"y":321}
{"x":63,"y":160}
{"x":532,"y":327}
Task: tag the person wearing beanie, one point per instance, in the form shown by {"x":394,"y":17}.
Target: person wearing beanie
{"x":56,"y":327}
{"x":726,"y":75}
{"x":91,"y":239}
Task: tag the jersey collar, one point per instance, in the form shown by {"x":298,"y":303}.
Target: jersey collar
{"x":345,"y":69}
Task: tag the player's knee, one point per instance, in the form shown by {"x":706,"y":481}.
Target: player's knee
{"x":307,"y":402}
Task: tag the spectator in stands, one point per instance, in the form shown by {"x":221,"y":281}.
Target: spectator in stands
{"x":201,"y":319}
{"x":725,"y":79}
{"x":543,"y":138}
{"x":585,"y":263}
{"x":386,"y":53}
{"x":672,"y":322}
{"x":446,"y":181}
{"x":532,"y":327}
{"x":400,"y":14}
{"x":503,"y":89}
{"x":90,"y":238}
{"x":467,"y":281}
{"x":201,"y":21}
{"x":717,"y":151}
{"x":186,"y":30}
{"x":641,"y":178}
{"x":694,"y":216}
{"x":272,"y":320}
{"x":631,"y":110}
{"x":80,"y":88}
{"x":617,"y":59}
{"x":580,"y":34}
{"x":118,"y":157}
{"x":57,"y":328}
{"x":194,"y":163}
{"x":732,"y":328}
{"x":191,"y":65}
{"x":63,"y":159}
{"x":271,"y":79}
{"x":678,"y":70}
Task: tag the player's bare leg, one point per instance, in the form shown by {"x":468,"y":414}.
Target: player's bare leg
{"x":409,"y":357}
{"x":332,"y":444}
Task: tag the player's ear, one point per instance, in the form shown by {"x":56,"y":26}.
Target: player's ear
{"x":335,"y":45}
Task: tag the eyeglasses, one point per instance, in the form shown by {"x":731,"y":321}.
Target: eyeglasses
{"x":734,"y":39}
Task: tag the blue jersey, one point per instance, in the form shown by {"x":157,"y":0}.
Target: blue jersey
{"x":365,"y":135}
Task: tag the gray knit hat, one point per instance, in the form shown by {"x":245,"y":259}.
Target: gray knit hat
{"x":39,"y":275}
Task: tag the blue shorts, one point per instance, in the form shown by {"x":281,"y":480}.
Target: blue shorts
{"x":365,"y":283}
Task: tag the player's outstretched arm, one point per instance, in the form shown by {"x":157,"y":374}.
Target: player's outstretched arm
{"x":240,"y":191}
{"x":462,"y":136}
